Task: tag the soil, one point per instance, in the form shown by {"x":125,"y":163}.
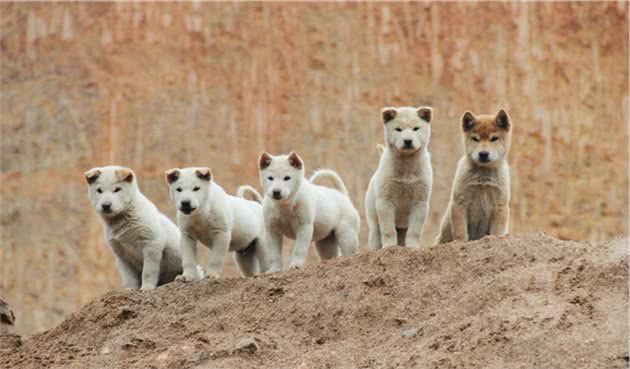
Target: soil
{"x":521,"y":301}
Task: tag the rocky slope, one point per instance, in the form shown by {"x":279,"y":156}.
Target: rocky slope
{"x":522,"y":301}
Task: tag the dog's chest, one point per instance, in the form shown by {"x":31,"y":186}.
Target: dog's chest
{"x":200,"y":229}
{"x":288,"y":225}
{"x":482,"y":202}
{"x":404,"y":191}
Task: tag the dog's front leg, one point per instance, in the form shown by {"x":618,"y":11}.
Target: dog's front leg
{"x":152,"y":256}
{"x":459,"y":223}
{"x":128,"y":274}
{"x":417,"y":218}
{"x":303,"y":240}
{"x":386,"y":212}
{"x":189,"y":259}
{"x":499,"y":221}
{"x":220,"y":246}
{"x":273,"y":244}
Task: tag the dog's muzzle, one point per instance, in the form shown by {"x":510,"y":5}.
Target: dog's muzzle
{"x":408,"y":144}
{"x":484,"y":157}
{"x":106,"y":207}
{"x":186,"y":208}
{"x":277,"y":194}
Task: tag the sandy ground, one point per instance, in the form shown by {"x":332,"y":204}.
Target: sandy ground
{"x":522,"y":301}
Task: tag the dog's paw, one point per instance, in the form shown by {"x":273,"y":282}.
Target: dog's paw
{"x":147,"y":288}
{"x":295,"y":266}
{"x":187,"y":278}
{"x":213,"y":275}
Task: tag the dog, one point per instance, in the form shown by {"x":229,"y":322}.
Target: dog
{"x":397,"y":199}
{"x":480,"y":196}
{"x":206,"y":213}
{"x":304,"y":211}
{"x":144,"y":241}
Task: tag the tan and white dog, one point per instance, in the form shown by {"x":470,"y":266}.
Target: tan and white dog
{"x":306,"y":212}
{"x":206,"y":213}
{"x":480,"y":197}
{"x":397,"y":199}
{"x":144,"y":241}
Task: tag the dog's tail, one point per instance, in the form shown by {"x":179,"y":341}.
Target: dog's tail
{"x":380,"y":148}
{"x":328,"y":173}
{"x":244,"y":190}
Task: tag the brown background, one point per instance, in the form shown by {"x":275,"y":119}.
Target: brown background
{"x":153,"y":86}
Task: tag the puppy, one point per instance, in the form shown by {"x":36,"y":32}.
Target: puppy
{"x":206,"y":213}
{"x":144,"y":241}
{"x":480,"y":196}
{"x":304,"y":211}
{"x":397,"y":199}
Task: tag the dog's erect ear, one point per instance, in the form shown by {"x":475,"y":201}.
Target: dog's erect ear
{"x":388,"y":114}
{"x":92,"y":175}
{"x":264,"y":161}
{"x":425,"y":113}
{"x":125,"y":174}
{"x":204,"y":173}
{"x":503,"y":120}
{"x":295,"y":160}
{"x":172,"y":175}
{"x":468,"y":121}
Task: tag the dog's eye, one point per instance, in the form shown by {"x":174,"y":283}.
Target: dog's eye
{"x":178,"y":189}
{"x":475,"y":139}
{"x":287,"y":178}
{"x":494,"y":138}
{"x":416,"y":128}
{"x":270,"y":178}
{"x":398,"y":129}
{"x":196,"y":189}
{"x":117,"y":189}
{"x":99,"y":190}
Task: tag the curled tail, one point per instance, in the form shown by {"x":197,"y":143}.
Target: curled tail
{"x":328,"y":173}
{"x":380,"y":148}
{"x":244,"y":190}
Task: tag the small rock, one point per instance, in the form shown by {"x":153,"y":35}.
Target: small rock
{"x":106,"y":350}
{"x":246,"y":345}
{"x":200,"y":357}
{"x":409,"y":332}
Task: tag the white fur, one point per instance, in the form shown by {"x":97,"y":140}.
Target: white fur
{"x":219,"y":221}
{"x":242,"y":191}
{"x":306,"y":212}
{"x":397,"y":199}
{"x":144,"y":241}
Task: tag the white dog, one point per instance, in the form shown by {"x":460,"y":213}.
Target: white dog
{"x":144,"y":241}
{"x":221,"y":222}
{"x":304,"y":211}
{"x":397,"y":199}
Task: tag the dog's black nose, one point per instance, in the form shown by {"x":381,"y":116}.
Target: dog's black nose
{"x":186,"y":204}
{"x":484,"y":156}
{"x":107,"y":206}
{"x":277,"y":194}
{"x":408,"y":143}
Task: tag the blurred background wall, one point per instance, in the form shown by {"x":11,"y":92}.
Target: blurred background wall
{"x":155,"y":86}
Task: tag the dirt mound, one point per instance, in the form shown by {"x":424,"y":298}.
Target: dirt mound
{"x":522,"y":301}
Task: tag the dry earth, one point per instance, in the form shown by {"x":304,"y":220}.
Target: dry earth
{"x":522,"y":301}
